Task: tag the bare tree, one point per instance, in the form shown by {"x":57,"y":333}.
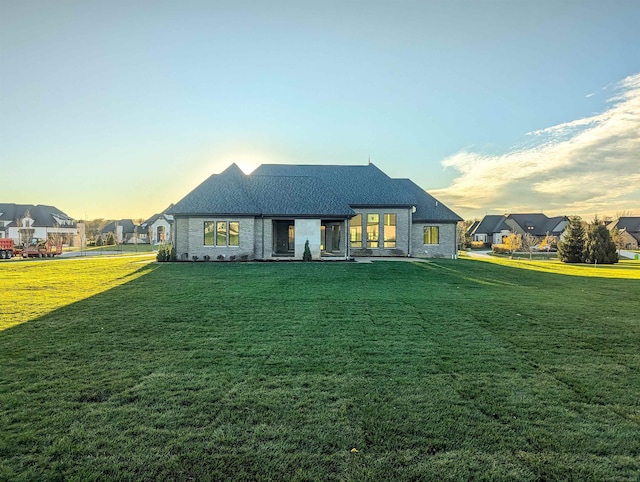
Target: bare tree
{"x":618,"y":239}
{"x":529,"y":241}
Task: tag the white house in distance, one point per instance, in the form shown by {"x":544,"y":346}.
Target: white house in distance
{"x":156,"y":229}
{"x":23,"y":222}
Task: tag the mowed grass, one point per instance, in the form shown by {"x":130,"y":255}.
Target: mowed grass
{"x":447,"y":370}
{"x":33,"y":287}
{"x":624,"y":268}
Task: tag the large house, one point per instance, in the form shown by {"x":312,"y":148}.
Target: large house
{"x":124,"y":231}
{"x":23,"y":222}
{"x":629,"y":229}
{"x":341,"y":211}
{"x":492,"y":229}
{"x":156,"y":229}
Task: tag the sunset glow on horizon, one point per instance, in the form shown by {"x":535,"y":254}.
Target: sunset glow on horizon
{"x":117,"y":110}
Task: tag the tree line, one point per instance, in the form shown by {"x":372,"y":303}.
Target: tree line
{"x":591,"y":243}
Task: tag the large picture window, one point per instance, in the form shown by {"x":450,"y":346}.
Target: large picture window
{"x":389,"y":232}
{"x":221,"y":233}
{"x":431,"y":235}
{"x":355,"y":231}
{"x":373,"y":230}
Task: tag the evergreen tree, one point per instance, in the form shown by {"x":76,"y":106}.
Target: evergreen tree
{"x":571,"y":248}
{"x":99,"y":241}
{"x":307,"y":252}
{"x":111,"y":239}
{"x":599,"y":247}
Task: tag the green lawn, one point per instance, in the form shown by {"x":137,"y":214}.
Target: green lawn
{"x":119,"y":248}
{"x":449,"y":370}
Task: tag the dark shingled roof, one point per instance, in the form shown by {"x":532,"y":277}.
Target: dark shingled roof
{"x":308,"y":190}
{"x":491,"y":223}
{"x":359,"y":185}
{"x":233,"y":192}
{"x":539,"y":222}
{"x":473,"y":227}
{"x":128,"y":226}
{"x":42,"y":215}
{"x":629,"y":223}
{"x":428,"y":208}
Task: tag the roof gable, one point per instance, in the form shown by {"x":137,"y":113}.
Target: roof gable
{"x":629,"y":223}
{"x":427,"y":207}
{"x":492,"y":223}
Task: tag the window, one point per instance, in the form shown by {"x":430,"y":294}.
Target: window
{"x":355,"y":231}
{"x":373,"y":230}
{"x":292,"y":237}
{"x":389,"y":232}
{"x":208,"y":233}
{"x":431,"y":235}
{"x":221,"y":233}
{"x":234,"y":233}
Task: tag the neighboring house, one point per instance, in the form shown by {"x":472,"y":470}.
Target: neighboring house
{"x":23,"y":222}
{"x":342,"y":211}
{"x":156,"y":229}
{"x":492,"y":229}
{"x":124,"y":230}
{"x":629,"y":229}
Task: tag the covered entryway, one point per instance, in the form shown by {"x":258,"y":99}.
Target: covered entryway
{"x":284,"y":237}
{"x":331,"y":238}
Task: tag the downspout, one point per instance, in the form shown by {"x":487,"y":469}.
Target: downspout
{"x":262,"y":216}
{"x":410,"y":224}
{"x":455,"y":242}
{"x":175,"y":237}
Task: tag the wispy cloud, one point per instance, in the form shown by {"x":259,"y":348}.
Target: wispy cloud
{"x":586,"y":166}
{"x":590,"y":95}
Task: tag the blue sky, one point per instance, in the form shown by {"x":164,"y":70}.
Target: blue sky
{"x":116,"y":108}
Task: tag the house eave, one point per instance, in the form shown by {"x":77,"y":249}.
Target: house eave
{"x":441,"y":221}
{"x":365,"y":206}
{"x":269,"y":215}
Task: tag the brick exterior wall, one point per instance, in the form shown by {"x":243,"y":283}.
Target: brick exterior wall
{"x":188,"y":235}
{"x":446,"y":248}
{"x":263,"y":238}
{"x":189,"y":238}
